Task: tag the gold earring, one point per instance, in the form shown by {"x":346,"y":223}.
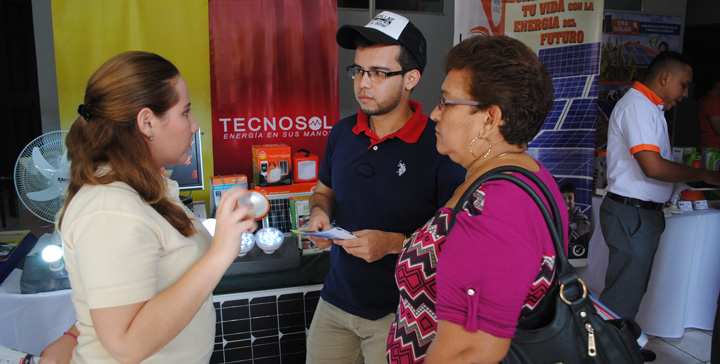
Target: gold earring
{"x":487,"y":153}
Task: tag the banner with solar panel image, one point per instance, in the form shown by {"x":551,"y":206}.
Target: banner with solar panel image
{"x":567,"y":39}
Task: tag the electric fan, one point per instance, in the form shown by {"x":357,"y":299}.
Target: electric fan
{"x":42,"y":173}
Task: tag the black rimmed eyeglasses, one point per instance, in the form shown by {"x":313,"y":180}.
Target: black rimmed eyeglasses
{"x":442,"y":102}
{"x":375,"y":75}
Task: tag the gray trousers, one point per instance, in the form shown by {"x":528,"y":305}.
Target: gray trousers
{"x":632,"y":235}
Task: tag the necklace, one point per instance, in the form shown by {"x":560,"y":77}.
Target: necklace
{"x":487,"y":161}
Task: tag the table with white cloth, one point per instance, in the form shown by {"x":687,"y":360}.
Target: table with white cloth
{"x":29,"y":322}
{"x":685,"y":280}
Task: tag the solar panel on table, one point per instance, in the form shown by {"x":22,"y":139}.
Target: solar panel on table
{"x":257,"y":327}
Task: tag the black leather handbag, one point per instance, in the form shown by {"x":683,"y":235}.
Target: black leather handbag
{"x":565,"y":327}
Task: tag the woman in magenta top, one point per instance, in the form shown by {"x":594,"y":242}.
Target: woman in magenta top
{"x":498,"y":260}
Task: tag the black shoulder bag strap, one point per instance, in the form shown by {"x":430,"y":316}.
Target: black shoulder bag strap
{"x":565,"y":271}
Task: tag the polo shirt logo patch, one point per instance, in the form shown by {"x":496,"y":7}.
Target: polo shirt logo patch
{"x":401,"y":168}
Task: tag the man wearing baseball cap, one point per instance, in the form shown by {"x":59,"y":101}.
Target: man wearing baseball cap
{"x":381,"y":178}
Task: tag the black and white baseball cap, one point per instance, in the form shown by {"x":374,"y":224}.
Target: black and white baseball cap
{"x":390,"y":29}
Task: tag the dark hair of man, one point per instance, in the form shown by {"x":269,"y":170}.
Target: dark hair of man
{"x":667,"y":61}
{"x":568,"y":188}
{"x":405,"y":58}
{"x":507,"y":73}
{"x":114,"y":96}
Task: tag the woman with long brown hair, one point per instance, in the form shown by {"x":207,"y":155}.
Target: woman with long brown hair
{"x":141,"y":266}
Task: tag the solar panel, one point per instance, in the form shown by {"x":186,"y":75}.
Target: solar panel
{"x":568,"y":139}
{"x":593,"y":88}
{"x":581,"y":114}
{"x":573,"y":60}
{"x":264,"y":326}
{"x":570,"y":161}
{"x":566,"y":142}
{"x":637,"y":54}
{"x":569,"y":87}
{"x":279,"y":214}
{"x":555,"y":114}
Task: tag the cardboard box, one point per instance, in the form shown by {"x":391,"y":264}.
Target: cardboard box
{"x":711,"y":159}
{"x":684,"y":205}
{"x":271,"y":165}
{"x":300,"y":216}
{"x":306,"y":187}
{"x":220,"y":184}
{"x":683,"y":154}
{"x":700,"y":205}
{"x":305,"y":166}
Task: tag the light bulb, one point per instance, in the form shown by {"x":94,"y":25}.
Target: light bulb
{"x":269,"y":239}
{"x":52,"y":253}
{"x":247,"y":243}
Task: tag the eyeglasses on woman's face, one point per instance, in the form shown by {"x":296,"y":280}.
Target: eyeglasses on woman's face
{"x":356,"y":73}
{"x":442,"y":102}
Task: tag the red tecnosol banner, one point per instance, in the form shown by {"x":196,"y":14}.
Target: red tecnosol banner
{"x":273,"y":75}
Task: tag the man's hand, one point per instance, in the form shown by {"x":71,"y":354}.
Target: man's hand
{"x":655,"y":166}
{"x":319,"y":221}
{"x":322,"y":207}
{"x":372,"y":245}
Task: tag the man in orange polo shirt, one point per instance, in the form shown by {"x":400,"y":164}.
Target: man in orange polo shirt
{"x":641,"y":177}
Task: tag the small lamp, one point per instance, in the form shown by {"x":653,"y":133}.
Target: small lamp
{"x":52,"y":254}
{"x":269,"y":239}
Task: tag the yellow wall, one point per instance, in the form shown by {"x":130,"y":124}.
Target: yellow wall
{"x":89,"y":32}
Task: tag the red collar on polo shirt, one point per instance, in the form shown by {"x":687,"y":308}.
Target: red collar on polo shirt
{"x":409,"y":133}
{"x":650,"y":95}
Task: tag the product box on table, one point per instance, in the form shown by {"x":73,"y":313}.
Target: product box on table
{"x":305,"y":166}
{"x":220,"y":184}
{"x":271,"y":165}
{"x":300,"y":215}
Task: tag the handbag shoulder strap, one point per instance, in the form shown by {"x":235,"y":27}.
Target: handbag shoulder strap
{"x":565,"y":271}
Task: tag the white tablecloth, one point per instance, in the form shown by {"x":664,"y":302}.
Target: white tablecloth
{"x":685,"y":281}
{"x":29,"y":322}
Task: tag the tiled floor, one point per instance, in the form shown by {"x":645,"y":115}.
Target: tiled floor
{"x":692,"y":348}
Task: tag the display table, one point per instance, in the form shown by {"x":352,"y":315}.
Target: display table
{"x":685,"y":280}
{"x":29,"y":322}
{"x":32,"y":321}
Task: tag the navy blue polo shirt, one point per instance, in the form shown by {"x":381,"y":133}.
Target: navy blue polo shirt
{"x":393,"y":184}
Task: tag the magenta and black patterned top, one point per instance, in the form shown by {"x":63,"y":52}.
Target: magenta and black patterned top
{"x":498,"y":249}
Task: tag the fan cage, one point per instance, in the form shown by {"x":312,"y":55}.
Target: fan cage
{"x":28,"y":179}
